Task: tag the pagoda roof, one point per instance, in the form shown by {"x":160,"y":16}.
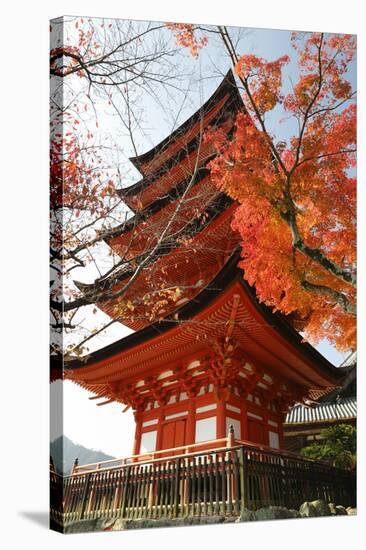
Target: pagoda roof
{"x":228,"y":85}
{"x":180,"y":144}
{"x":187,"y":262}
{"x":156,"y":206}
{"x":266,"y":338}
{"x":196,"y":226}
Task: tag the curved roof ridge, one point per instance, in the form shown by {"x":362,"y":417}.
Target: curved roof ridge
{"x":228,"y":84}
{"x":212,"y":211}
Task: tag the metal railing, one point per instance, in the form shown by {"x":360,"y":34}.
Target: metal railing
{"x":220,"y":481}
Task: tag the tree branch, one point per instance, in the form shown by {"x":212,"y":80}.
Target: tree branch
{"x":339,"y":297}
{"x":314,"y":253}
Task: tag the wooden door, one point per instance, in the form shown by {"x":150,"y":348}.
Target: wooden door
{"x":180,"y":433}
{"x":174,"y":434}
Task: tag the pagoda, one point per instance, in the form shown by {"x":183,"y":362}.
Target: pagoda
{"x":208,"y":355}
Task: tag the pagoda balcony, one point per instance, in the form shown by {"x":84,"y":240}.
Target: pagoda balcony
{"x":220,"y":477}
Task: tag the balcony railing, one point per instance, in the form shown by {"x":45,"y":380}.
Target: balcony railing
{"x":223,"y":480}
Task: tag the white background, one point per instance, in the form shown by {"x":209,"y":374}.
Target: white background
{"x":24,"y":273}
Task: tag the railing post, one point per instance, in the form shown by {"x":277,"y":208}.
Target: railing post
{"x":125,"y":491}
{"x":211,"y":484}
{"x":153,"y":493}
{"x":242,"y":470}
{"x":230,"y":436}
{"x":217,"y":484}
{"x":230,"y":464}
{"x":185,"y":503}
{"x":84,"y":497}
{"x":236,"y":491}
{"x":176,"y":489}
{"x":75,"y":466}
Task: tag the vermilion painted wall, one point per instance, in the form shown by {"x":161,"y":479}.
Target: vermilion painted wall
{"x":175,"y":423}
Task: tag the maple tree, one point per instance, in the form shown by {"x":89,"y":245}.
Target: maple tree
{"x":185,"y":36}
{"x":297,"y":196}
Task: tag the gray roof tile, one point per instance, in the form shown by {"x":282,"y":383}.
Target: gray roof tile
{"x":344,"y":409}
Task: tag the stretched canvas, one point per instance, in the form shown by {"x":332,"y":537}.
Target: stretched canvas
{"x":203,"y":274}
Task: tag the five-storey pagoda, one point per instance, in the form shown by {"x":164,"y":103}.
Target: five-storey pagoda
{"x":208,"y":355}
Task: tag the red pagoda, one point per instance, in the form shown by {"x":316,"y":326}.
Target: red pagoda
{"x":209,"y":356}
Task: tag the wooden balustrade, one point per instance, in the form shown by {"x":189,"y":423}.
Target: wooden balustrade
{"x":221,"y":481}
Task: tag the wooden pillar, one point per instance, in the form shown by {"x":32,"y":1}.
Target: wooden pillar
{"x":137,"y":441}
{"x":221,"y":419}
{"x":280,"y":434}
{"x":191,"y":422}
{"x":266,"y":426}
{"x":244,"y":422}
{"x":159,"y":435}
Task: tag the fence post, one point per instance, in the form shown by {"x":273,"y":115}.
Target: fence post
{"x":176,"y":489}
{"x":174,"y":493}
{"x":242,"y":470}
{"x":230,"y":467}
{"x":125,"y":491}
{"x":84,"y":497}
{"x":230,"y":436}
{"x":75,"y":465}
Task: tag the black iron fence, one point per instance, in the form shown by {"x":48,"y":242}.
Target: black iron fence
{"x":216,"y":482}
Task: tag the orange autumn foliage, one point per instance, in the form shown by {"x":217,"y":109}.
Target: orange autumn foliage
{"x":76,"y":180}
{"x":268,"y":79}
{"x":185,"y":36}
{"x":297,"y":200}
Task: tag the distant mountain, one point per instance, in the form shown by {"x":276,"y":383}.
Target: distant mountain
{"x":64,"y":451}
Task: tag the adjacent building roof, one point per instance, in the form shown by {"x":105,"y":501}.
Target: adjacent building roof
{"x":348,"y":389}
{"x":333,"y":405}
{"x":350,"y":361}
{"x":342,"y":409}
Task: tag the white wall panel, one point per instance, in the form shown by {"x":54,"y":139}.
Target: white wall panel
{"x":148,"y":442}
{"x":274,"y":440}
{"x":205,"y":429}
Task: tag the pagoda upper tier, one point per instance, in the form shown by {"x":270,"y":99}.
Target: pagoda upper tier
{"x":174,"y":159}
{"x":181,"y":229}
